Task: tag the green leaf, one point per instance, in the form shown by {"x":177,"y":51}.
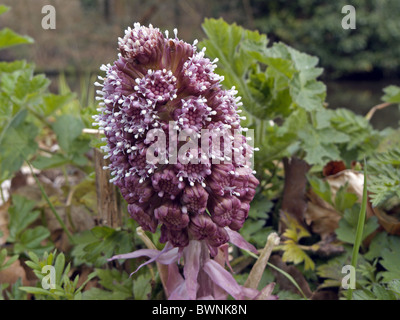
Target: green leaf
{"x":381,"y":241}
{"x":321,"y":188}
{"x":53,"y":102}
{"x":224,"y":42}
{"x":251,"y":227}
{"x":67,"y":128}
{"x":260,"y":208}
{"x":361,"y":133}
{"x":34,"y":258}
{"x":56,"y":160}
{"x":21,"y":215}
{"x":5,"y":264}
{"x":3,"y":255}
{"x":28,"y":88}
{"x":73,"y":143}
{"x":318,"y":150}
{"x":394,"y":286}
{"x":348,"y":225}
{"x":142,"y":287}
{"x":384,"y":181}
{"x":97,"y":245}
{"x":102,"y":232}
{"x":17,"y":143}
{"x":30,"y":240}
{"x":10,"y":261}
{"x":35,"y":291}
{"x":392,"y":94}
{"x":15,"y":293}
{"x":292,"y":251}
{"x":331,"y":271}
{"x":382,"y":293}
{"x":344,"y":199}
{"x":118,"y":285}
{"x":59,"y":266}
{"x":9,"y":38}
{"x":363,"y":295}
{"x":14,"y":66}
{"x":391,"y":259}
{"x":3,"y":9}
{"x":309,"y":95}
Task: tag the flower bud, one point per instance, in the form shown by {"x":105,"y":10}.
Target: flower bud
{"x":142,"y":44}
{"x":195,"y":199}
{"x":146,"y":219}
{"x":171,"y":216}
{"x":202,"y":227}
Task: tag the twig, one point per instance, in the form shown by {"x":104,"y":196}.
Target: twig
{"x":92,"y":131}
{"x":377,"y":107}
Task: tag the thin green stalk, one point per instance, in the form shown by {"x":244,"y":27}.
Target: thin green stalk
{"x":287,"y":275}
{"x":63,"y":226}
{"x":360,"y":226}
{"x":291,"y":279}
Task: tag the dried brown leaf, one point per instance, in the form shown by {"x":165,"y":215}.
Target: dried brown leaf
{"x":294,"y":201}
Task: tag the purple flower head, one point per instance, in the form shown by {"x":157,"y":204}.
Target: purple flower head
{"x":158,"y":86}
{"x":220,"y":179}
{"x":226,"y":210}
{"x":160,"y":96}
{"x":202,"y":227}
{"x":193,"y":172}
{"x":135,"y":192}
{"x":198,"y":74}
{"x":141,"y":44}
{"x":195,"y":199}
{"x":167,"y":184}
{"x":221,"y":236}
{"x":226,"y":103}
{"x":178,"y":238}
{"x":193,"y":115}
{"x":172,"y":217}
{"x":141,"y":214}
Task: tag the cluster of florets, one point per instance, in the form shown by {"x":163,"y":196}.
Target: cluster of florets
{"x":166,"y":84}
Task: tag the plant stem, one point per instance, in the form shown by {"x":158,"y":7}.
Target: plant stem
{"x":360,"y":227}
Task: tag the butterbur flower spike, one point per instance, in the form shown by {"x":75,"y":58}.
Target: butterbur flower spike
{"x":165,"y":84}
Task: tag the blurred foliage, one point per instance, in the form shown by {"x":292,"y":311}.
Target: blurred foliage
{"x":314,"y":26}
{"x":284,"y":101}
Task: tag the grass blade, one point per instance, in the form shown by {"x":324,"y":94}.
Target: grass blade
{"x":360,"y":226}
